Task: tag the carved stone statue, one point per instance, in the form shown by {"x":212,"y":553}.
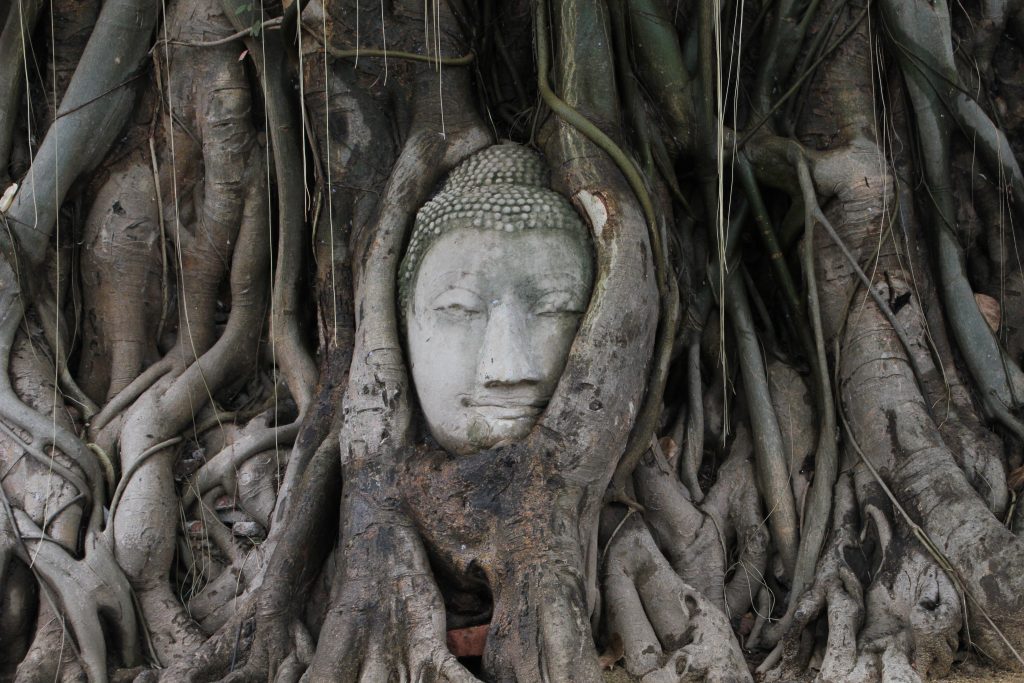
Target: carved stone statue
{"x":496,"y":276}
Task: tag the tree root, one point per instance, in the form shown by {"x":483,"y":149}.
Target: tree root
{"x":221,"y":469}
{"x":934,"y":90}
{"x":835,"y":586}
{"x":51,"y":319}
{"x":792,"y":400}
{"x":127,"y":396}
{"x":911,"y":612}
{"x":121,"y":250}
{"x":670,"y":631}
{"x":97,"y":103}
{"x":44,"y":432}
{"x":14,"y":43}
{"x":689,"y":538}
{"x":735,"y":505}
{"x":376,"y":628}
{"x":52,"y":656}
{"x":270,"y":610}
{"x":86,"y":590}
{"x":772,"y":467}
{"x":222,"y":587}
{"x":917,"y":547}
{"x":288,"y":349}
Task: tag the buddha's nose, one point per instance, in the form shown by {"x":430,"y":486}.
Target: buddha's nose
{"x":507,"y":353}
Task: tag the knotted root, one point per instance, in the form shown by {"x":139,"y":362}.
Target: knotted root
{"x":85,"y":590}
{"x":904,"y":626}
{"x":670,"y":631}
{"x":735,"y":506}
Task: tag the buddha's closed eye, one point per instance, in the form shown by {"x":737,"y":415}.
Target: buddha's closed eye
{"x":458,"y":303}
{"x":558,"y":303}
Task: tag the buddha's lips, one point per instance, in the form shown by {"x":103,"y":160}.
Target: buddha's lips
{"x":506,"y":408}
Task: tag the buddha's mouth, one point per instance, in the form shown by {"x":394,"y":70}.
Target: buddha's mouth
{"x":508,"y":412}
{"x":501,"y":408}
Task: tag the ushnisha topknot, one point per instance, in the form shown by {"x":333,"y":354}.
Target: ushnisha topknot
{"x":503,"y":187}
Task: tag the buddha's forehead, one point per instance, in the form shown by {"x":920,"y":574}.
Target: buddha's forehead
{"x":490,"y":262}
{"x":502,"y":190}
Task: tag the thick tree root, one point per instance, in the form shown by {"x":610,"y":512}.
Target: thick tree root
{"x":399,"y":631}
{"x":52,"y":656}
{"x":736,"y":508}
{"x":85,"y":591}
{"x":121,"y":251}
{"x":903,"y":627}
{"x":670,"y":631}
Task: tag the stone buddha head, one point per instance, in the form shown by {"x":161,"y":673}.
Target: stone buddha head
{"x":496,"y":277}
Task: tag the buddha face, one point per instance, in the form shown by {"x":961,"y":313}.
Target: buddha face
{"x":490,"y":319}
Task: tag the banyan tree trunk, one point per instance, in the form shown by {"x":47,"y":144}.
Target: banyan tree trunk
{"x":787,"y":443}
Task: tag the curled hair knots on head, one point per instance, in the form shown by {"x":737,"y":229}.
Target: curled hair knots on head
{"x":503,"y":187}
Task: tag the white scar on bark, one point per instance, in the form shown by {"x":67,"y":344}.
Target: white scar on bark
{"x":594,"y":208}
